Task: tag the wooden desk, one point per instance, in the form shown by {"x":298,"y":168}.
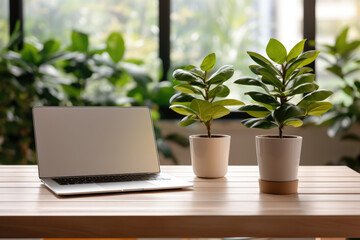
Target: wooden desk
{"x":328,"y":205}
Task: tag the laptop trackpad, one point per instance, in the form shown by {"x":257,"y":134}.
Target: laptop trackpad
{"x":126,"y":185}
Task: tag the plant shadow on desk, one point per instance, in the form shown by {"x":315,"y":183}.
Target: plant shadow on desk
{"x":49,"y":74}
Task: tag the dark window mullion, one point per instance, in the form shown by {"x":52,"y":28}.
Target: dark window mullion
{"x":164,"y":50}
{"x":16,"y":15}
{"x":164,"y":35}
{"x":309,"y":25}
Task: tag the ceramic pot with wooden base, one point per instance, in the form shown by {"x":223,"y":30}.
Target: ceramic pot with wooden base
{"x":278,"y":160}
{"x":210,"y":156}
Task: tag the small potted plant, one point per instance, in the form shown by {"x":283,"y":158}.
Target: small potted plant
{"x":287,"y":94}
{"x":198,"y":100}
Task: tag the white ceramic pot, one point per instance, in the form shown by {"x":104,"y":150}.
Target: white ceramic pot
{"x":210,"y":156}
{"x":278,"y":158}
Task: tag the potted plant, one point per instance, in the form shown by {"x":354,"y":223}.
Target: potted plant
{"x":198,"y":101}
{"x":287,"y":94}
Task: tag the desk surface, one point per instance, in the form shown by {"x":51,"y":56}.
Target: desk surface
{"x":328,"y":205}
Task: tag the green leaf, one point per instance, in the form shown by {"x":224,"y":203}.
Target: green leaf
{"x":336,"y":70}
{"x":180,"y":98}
{"x":220,"y":90}
{"x":287,"y":111}
{"x":186,"y":88}
{"x":197,"y":72}
{"x":56,"y":56}
{"x":208,"y":62}
{"x":254,"y":68}
{"x":278,"y":93}
{"x":292,"y":68}
{"x":303,"y":88}
{"x":315,"y":96}
{"x":350,"y":47}
{"x":71,"y":90}
{"x":305,"y":78}
{"x":308,"y":57}
{"x":189,"y":67}
{"x":340,"y":42}
{"x":225,"y":91}
{"x":215,"y":91}
{"x":276,"y":51}
{"x":262,"y":61}
{"x":348,"y":90}
{"x":50,"y":47}
{"x":223,"y":74}
{"x":270,"y":117}
{"x":304,"y":59}
{"x":30,"y":54}
{"x":294,"y":123}
{"x":255,"y":110}
{"x":258,"y":123}
{"x":188,"y":120}
{"x":183,"y":110}
{"x":219,"y":111}
{"x":198,"y":84}
{"x":183,"y":75}
{"x":357,"y":85}
{"x":15,"y":38}
{"x":203,"y":109}
{"x":267,"y":101}
{"x":228,"y":102}
{"x":155,"y":115}
{"x":79,"y":41}
{"x":329,"y":49}
{"x":318,"y":108}
{"x":301,"y":71}
{"x":115,"y":46}
{"x":269,"y":78}
{"x":296,"y":50}
{"x":252,"y":82}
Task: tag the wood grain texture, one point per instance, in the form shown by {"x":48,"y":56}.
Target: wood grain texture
{"x":328,"y":205}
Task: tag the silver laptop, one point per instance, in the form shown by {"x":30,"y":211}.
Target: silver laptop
{"x":82,"y":150}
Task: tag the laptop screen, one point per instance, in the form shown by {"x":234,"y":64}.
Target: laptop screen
{"x":81,"y":141}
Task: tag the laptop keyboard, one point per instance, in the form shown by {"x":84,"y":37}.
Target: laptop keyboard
{"x":109,"y":178}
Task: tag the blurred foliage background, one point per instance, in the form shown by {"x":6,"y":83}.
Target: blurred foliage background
{"x":343,"y":62}
{"x":49,"y":73}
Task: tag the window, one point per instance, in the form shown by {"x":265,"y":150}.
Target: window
{"x":230,"y":28}
{"x":227,"y":27}
{"x":135,"y":19}
{"x":4,"y":23}
{"x":331,"y":18}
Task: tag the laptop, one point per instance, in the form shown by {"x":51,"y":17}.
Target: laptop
{"x":83,"y":150}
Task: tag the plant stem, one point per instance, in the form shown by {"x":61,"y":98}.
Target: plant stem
{"x":208,"y":128}
{"x":283,"y":68}
{"x":283,"y":99}
{"x":206,"y":97}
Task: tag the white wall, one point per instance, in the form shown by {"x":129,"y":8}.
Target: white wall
{"x":318,"y":148}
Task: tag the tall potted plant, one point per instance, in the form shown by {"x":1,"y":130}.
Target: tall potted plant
{"x":198,"y":101}
{"x":287,"y":94}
